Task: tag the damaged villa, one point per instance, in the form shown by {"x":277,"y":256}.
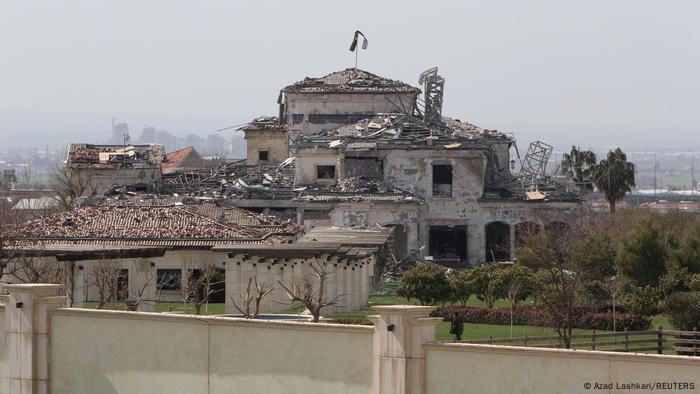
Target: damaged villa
{"x":356,"y":170}
{"x":352,"y":149}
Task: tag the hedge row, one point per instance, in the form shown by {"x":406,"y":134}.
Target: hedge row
{"x":588,"y":317}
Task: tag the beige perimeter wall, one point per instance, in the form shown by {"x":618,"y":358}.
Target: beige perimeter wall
{"x":483,"y":369}
{"x":122,"y":352}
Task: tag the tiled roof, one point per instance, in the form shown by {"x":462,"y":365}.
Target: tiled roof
{"x":141,"y":225}
{"x":351,"y":80}
{"x":173,"y":159}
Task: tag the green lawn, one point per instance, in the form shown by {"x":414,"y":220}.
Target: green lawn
{"x":388,"y":297}
{"x":473,"y":331}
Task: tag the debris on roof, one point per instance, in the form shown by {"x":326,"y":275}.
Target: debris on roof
{"x":351,"y":80}
{"x":145,"y":225}
{"x":263,"y":123}
{"x":115,"y":156}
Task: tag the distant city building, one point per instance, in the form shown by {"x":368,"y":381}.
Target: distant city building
{"x":216,"y":145}
{"x":119,"y":131}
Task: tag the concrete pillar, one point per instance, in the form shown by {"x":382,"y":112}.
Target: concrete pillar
{"x":79,"y":287}
{"x":27,"y":336}
{"x":277,"y":295}
{"x":364,"y":280}
{"x":476,"y":245}
{"x":145,"y":275}
{"x":233,"y":269}
{"x":341,"y":285}
{"x":400,"y":331}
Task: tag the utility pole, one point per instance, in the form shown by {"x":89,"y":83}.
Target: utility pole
{"x":692,"y":174}
{"x":655,"y":176}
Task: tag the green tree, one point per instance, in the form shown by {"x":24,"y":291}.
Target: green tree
{"x":687,"y":253}
{"x":460,"y":287}
{"x":485,"y":283}
{"x":425,"y":282}
{"x":566,"y":262}
{"x":516,"y":283}
{"x":684,"y":310}
{"x":642,"y":255}
{"x":614,"y":177}
{"x":578,"y":165}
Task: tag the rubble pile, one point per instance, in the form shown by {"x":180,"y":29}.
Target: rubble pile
{"x":114,"y":156}
{"x":350,"y":80}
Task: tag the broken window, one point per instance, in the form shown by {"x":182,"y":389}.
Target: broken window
{"x":297,"y":118}
{"x":369,"y":167}
{"x":442,"y":180}
{"x":497,"y":242}
{"x":325,"y":172}
{"x":448,"y":242}
{"x":263,"y":155}
{"x":336,"y":118}
{"x":169,"y":279}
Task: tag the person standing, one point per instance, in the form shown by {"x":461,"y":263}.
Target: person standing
{"x":457,"y":327}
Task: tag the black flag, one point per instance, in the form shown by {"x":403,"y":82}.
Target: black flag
{"x":354,"y":41}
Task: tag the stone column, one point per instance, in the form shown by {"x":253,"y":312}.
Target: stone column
{"x":27,"y":336}
{"x":400,"y":331}
{"x":233,"y":272}
{"x":79,"y":288}
{"x":512,"y":241}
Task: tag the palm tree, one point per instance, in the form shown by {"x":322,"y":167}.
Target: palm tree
{"x":614,"y":176}
{"x":577,"y":166}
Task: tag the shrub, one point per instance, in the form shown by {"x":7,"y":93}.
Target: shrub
{"x":587,"y":317}
{"x":684,"y":310}
{"x":350,"y":320}
{"x":425,"y":282}
{"x":644,"y":300}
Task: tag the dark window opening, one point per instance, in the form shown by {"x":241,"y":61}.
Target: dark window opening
{"x":448,"y":242}
{"x":497,"y":242}
{"x":263,"y":155}
{"x":442,"y":180}
{"x":297,"y":118}
{"x":369,"y":167}
{"x":337,"y":118}
{"x":399,"y":240}
{"x":325,"y":172}
{"x":169,"y":279}
{"x":123,"y":284}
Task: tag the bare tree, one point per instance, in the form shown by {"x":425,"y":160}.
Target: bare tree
{"x":68,"y":185}
{"x":261,"y":291}
{"x":104,"y":275}
{"x":309,"y":291}
{"x":200,"y":284}
{"x":36,"y":269}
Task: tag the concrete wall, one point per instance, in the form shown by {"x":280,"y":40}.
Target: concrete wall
{"x":98,"y":180}
{"x":462,"y":368}
{"x":275,"y":142}
{"x":350,"y":281}
{"x":121,"y":352}
{"x":345,"y":103}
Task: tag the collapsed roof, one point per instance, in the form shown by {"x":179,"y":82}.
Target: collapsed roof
{"x":114,"y":156}
{"x":401,"y":131}
{"x":351,"y":80}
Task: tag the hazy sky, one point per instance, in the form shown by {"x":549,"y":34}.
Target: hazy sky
{"x":566,"y":71}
